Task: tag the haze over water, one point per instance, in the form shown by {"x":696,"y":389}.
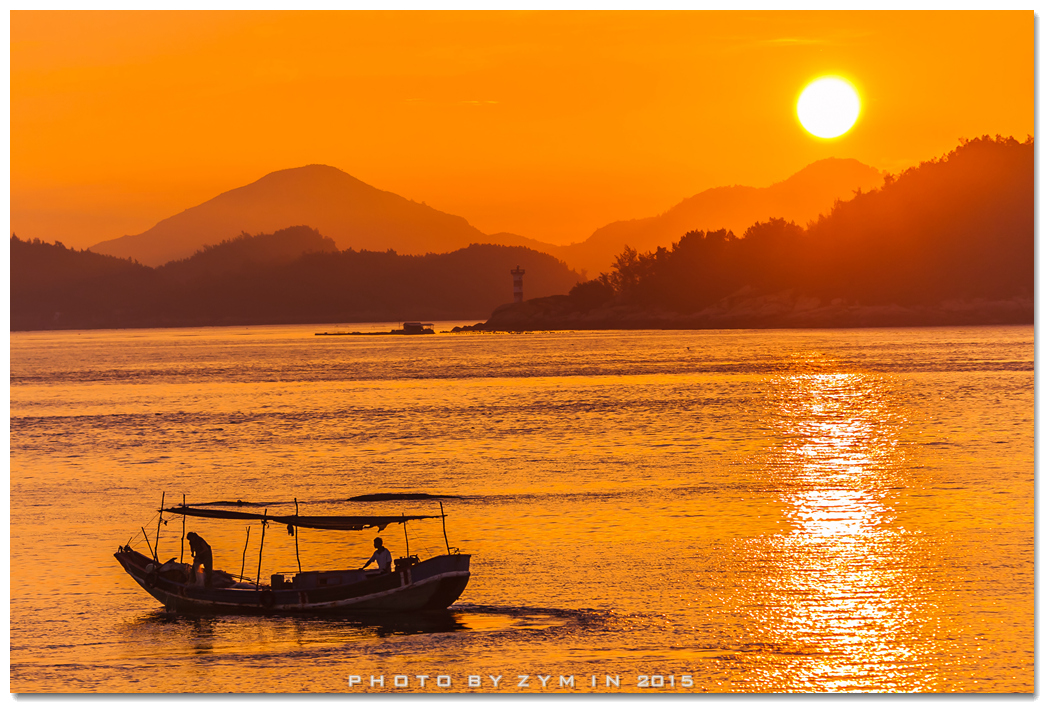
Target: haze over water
{"x":827,"y":510}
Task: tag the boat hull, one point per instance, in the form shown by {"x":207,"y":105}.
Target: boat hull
{"x":432,"y":584}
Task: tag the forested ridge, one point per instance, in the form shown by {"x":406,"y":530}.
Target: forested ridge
{"x":958,"y":229}
{"x":294,"y":275}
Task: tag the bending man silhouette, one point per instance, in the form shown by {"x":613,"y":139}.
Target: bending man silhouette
{"x":382,"y":556}
{"x":203,"y":557}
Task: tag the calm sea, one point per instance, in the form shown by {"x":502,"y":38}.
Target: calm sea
{"x":751,"y":511}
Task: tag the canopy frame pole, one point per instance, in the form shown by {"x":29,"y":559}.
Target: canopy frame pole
{"x":297,"y":533}
{"x":264,"y":523}
{"x":183,"y":518}
{"x":406,"y":534}
{"x":444,"y":536}
{"x":155,"y":552}
{"x":242,"y":568}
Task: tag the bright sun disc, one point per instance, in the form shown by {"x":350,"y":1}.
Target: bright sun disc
{"x":828,"y":107}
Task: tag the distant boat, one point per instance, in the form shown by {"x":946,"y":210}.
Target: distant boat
{"x":407,"y":328}
{"x":415,"y":328}
{"x":414,"y":585}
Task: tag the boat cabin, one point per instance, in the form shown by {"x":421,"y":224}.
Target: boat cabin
{"x":418,"y":328}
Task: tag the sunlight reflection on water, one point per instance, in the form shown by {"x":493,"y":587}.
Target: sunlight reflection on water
{"x":842,"y":571}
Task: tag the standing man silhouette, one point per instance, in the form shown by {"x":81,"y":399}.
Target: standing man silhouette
{"x":203,"y":557}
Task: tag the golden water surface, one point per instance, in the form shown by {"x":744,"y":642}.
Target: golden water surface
{"x":836,"y":510}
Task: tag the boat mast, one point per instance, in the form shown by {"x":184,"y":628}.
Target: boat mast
{"x":264,"y":523}
{"x":444,"y":536}
{"x":155,"y":552}
{"x":242,"y":568}
{"x":297,"y":531}
{"x":407,"y":535}
{"x":183,"y":517}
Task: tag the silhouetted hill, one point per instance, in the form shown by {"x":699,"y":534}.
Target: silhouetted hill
{"x":352,"y":213}
{"x":246,"y":251}
{"x":47,"y":279}
{"x":45,"y":266}
{"x":356,"y":215}
{"x":291,"y":276}
{"x":504,"y":238}
{"x":947,"y":242}
{"x":801,"y":197}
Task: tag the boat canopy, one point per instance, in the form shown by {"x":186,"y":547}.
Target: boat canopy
{"x":333,"y":523}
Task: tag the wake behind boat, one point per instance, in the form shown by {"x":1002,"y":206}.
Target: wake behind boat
{"x":414,"y":585}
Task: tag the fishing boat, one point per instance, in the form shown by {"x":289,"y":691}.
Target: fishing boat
{"x":414,"y":585}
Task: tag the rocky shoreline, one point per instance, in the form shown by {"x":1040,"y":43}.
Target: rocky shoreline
{"x":783,"y":310}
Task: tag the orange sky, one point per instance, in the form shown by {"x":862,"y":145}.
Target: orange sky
{"x":548,"y":125}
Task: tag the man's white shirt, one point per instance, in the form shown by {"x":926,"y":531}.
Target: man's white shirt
{"x":382,"y":556}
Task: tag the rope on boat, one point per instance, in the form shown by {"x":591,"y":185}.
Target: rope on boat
{"x":138,"y":535}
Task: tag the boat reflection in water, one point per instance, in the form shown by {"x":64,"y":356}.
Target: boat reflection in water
{"x":358,"y":625}
{"x":434,"y":622}
{"x":842,"y":592}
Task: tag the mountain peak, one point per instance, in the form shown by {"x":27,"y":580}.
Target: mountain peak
{"x":307,"y":177}
{"x":831,"y":171}
{"x":312,"y":171}
{"x":351,"y":212}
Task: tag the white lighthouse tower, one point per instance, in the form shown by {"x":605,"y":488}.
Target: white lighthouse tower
{"x":517,"y":273}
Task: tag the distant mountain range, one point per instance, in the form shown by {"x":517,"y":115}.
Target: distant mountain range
{"x":800,"y":198}
{"x":949,"y":242}
{"x":355,"y":215}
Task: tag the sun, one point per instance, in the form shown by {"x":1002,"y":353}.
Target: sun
{"x":828,"y":107}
